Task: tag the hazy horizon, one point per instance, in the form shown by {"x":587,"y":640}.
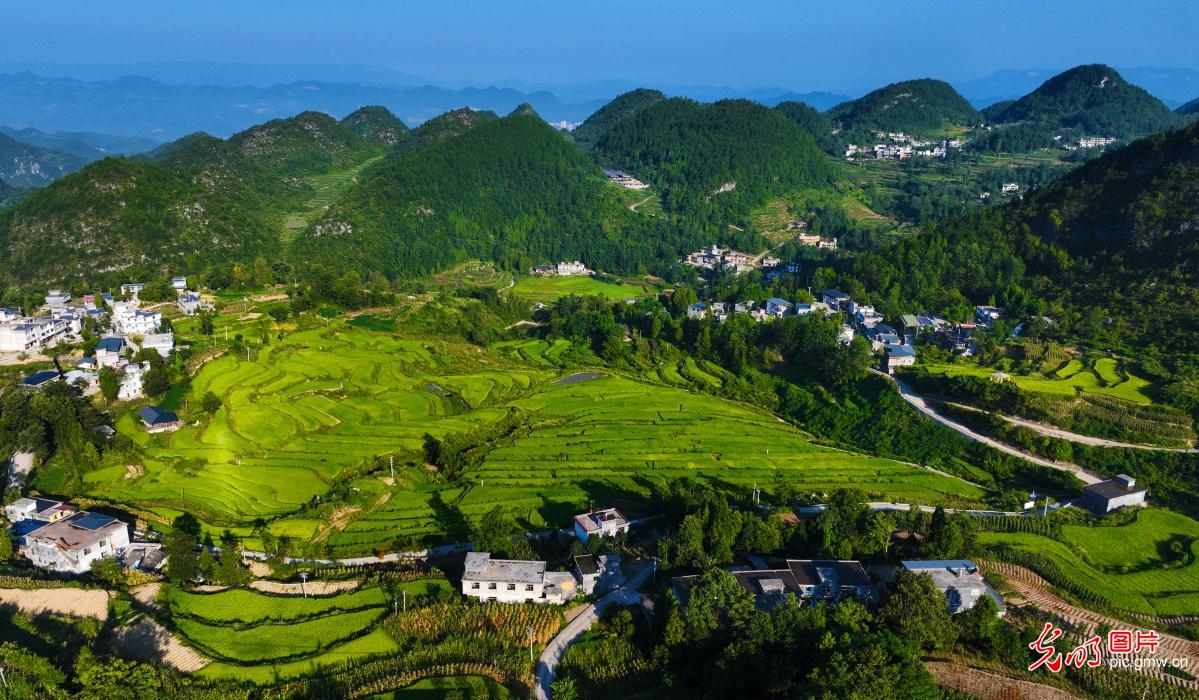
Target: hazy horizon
{"x":852,"y":47}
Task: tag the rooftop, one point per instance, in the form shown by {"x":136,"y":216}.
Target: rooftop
{"x":111,"y":344}
{"x":153,"y":415}
{"x":481,"y":567}
{"x":80,"y":530}
{"x":593,"y":521}
{"x":1114,"y":488}
{"x":39,"y":378}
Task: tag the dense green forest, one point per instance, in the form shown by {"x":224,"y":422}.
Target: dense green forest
{"x":1094,"y":100}
{"x":716,"y":162}
{"x":815,"y":123}
{"x":511,"y":190}
{"x":620,"y":108}
{"x":911,"y":106}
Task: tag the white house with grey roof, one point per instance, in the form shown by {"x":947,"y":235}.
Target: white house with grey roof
{"x":607,"y":522}
{"x":71,"y":544}
{"x":1107,"y":496}
{"x":960,"y":580}
{"x":514,"y":581}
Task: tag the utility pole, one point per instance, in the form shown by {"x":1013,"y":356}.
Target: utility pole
{"x":392,"y":462}
{"x":405,"y":601}
{"x":304,"y":580}
{"x":530,"y":643}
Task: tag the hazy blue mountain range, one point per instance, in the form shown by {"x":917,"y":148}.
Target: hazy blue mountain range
{"x":136,"y":106}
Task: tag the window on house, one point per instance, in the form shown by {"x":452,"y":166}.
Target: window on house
{"x":512,"y":586}
{"x":491,"y":586}
{"x":87,"y":551}
{"x":475,"y":586}
{"x":528,"y":587}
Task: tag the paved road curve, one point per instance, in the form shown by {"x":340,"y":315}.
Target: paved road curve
{"x":552,"y":654}
{"x":1053,"y":432}
{"x":920,"y":403}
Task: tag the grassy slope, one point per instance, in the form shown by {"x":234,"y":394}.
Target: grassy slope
{"x":1093,"y":557}
{"x":303,"y":411}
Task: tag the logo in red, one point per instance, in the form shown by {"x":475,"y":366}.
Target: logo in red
{"x":1089,"y":653}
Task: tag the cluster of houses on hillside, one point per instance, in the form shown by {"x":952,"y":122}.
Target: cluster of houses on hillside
{"x":489,"y":580}
{"x":129,"y":328}
{"x":714,"y":257}
{"x":624,"y":179}
{"x":563,"y":269}
{"x":897,"y":145}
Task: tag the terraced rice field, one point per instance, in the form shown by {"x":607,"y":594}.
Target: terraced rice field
{"x":1104,"y":378}
{"x":287,"y":635}
{"x":1124,"y":564}
{"x":547,"y":289}
{"x":300,"y":414}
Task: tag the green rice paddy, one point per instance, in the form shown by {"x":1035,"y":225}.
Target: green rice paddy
{"x":1133,"y":566}
{"x":1107,"y":377}
{"x":304,"y":413}
{"x":547,"y":289}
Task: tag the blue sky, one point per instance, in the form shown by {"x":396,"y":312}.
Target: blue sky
{"x":799,"y":45}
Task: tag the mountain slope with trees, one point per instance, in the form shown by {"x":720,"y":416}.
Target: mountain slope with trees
{"x":511,"y":190}
{"x":376,"y":124}
{"x":815,"y":123}
{"x":911,"y":106}
{"x":1094,"y":100}
{"x":620,"y":108}
{"x":1110,"y":252}
{"x":716,"y":162}
{"x":25,"y":165}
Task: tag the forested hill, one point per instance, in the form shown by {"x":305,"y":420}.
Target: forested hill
{"x":443,"y":126}
{"x":911,"y":106}
{"x":1189,"y":109}
{"x":25,"y":165}
{"x":117,"y":215}
{"x":512,"y":190}
{"x":1110,"y":252}
{"x":376,"y":124}
{"x":1094,"y":100}
{"x":620,"y":108}
{"x":715,"y":162}
{"x":815,"y":123}
{"x":192,"y":203}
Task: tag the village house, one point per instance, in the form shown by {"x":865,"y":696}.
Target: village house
{"x":36,"y":509}
{"x":986,"y":315}
{"x":130,"y":290}
{"x":814,"y":307}
{"x":607,"y":522}
{"x":624,"y":179}
{"x":23,"y":334}
{"x":846,"y":335}
{"x":960,"y":581}
{"x":163,"y":343}
{"x":57,"y":300}
{"x":598,"y":572}
{"x":808,"y":580}
{"x":834,"y":298}
{"x":131,"y":381}
{"x":697,"y":310}
{"x":778,"y":308}
{"x":109,"y":351}
{"x":513,"y":581}
{"x":71,"y":544}
{"x":38,"y":380}
{"x":127,"y":319}
{"x":179,"y":284}
{"x":189,"y":304}
{"x":743,"y":307}
{"x":1107,"y":496}
{"x":567,"y":269}
{"x":158,"y":420}
{"x":898,"y":356}
{"x":866,"y":316}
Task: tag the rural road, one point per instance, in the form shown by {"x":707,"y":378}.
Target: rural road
{"x":552,"y":654}
{"x":1050,"y":431}
{"x":633,"y":207}
{"x":891,"y":505}
{"x":920,"y":403}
